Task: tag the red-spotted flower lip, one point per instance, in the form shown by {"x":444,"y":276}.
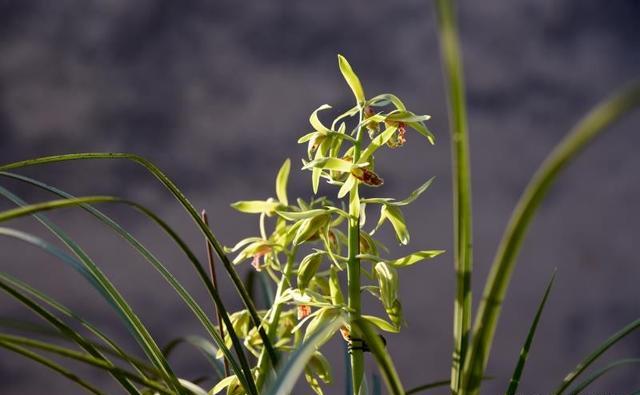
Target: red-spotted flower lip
{"x":367,"y":177}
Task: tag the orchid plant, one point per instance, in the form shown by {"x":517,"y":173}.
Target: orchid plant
{"x":310,"y":248}
{"x":320,"y":253}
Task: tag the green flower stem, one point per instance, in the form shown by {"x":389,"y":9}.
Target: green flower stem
{"x":276,"y":310}
{"x":353,"y":273}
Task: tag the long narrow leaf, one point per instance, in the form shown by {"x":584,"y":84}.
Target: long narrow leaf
{"x":429,"y":386}
{"x":435,"y":384}
{"x":142,"y":368}
{"x":66,"y":331}
{"x":462,"y":218}
{"x":9,"y":340}
{"x":585,"y":131}
{"x":389,"y":373}
{"x":584,"y":384}
{"x":591,"y":358}
{"x":186,"y":204}
{"x":287,"y":376}
{"x":246,"y":377}
{"x":524,"y":353}
{"x":206,"y":348}
{"x":106,"y":289}
{"x":51,"y":365}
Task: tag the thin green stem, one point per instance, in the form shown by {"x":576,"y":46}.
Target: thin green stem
{"x":353,"y":271}
{"x":276,"y":310}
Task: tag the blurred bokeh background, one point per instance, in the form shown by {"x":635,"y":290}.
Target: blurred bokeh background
{"x":217,"y":92}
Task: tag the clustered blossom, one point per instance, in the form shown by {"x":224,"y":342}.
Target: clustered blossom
{"x":309,"y":290}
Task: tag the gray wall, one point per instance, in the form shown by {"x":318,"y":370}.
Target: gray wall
{"x":216,"y":93}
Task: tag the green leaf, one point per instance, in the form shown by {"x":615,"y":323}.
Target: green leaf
{"x":524,"y":353}
{"x":382,"y":357}
{"x":231,"y":381}
{"x":256,"y":206}
{"x":381,"y":324}
{"x":308,"y":268}
{"x":65,"y":331}
{"x":281,"y":182}
{"x":206,"y":348}
{"x":415,"y":258}
{"x":325,"y":316}
{"x":352,"y":79}
{"x":388,"y":97}
{"x":496,"y":286}
{"x":330,"y":164}
{"x":410,"y":199}
{"x":315,"y":122}
{"x":349,"y":113}
{"x":435,"y":384}
{"x":288,"y":375}
{"x":348,"y":185}
{"x":394,"y":215}
{"x":187,"y":298}
{"x":243,"y":243}
{"x":422,"y":129}
{"x":377,"y":142}
{"x":584,"y":384}
{"x":51,"y":365}
{"x":193,"y":213}
{"x":406,"y":117}
{"x":108,"y":291}
{"x":298,"y":215}
{"x":16,"y":343}
{"x":460,"y":163}
{"x":318,"y":368}
{"x":586,"y":362}
{"x":415,"y":194}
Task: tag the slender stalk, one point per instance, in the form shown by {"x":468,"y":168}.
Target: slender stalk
{"x":353,"y":273}
{"x":214,"y":280}
{"x":462,"y":219}
{"x":276,"y":310}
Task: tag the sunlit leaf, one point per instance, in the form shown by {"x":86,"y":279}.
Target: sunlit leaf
{"x":315,"y":122}
{"x":381,"y":324}
{"x":394,"y":215}
{"x":348,"y":185}
{"x":287,"y":376}
{"x":352,"y":79}
{"x":256,"y":206}
{"x":281,"y":182}
{"x":330,"y":164}
{"x":387,"y":97}
{"x":415,"y":258}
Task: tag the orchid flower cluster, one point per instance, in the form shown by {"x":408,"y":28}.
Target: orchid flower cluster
{"x":304,"y":248}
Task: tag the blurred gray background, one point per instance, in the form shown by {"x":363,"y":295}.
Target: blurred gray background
{"x":217,"y":92}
